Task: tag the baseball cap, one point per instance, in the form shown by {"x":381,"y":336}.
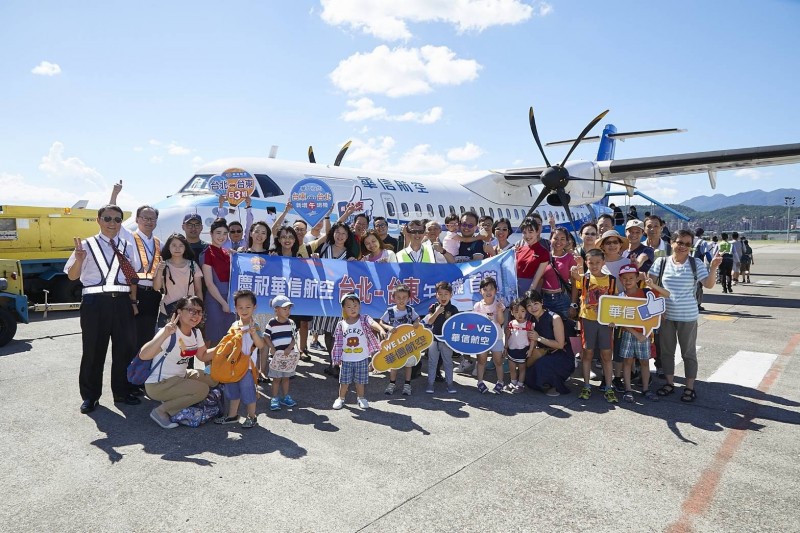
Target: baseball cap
{"x":192,"y":216}
{"x":348,"y":296}
{"x":628,"y":269}
{"x":281,"y":301}
{"x":634,"y":223}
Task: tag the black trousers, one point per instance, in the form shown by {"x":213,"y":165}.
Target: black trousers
{"x":725,"y":269}
{"x":149,"y":301}
{"x":106,"y":317}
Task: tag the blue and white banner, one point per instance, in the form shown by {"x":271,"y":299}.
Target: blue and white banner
{"x":315,"y":286}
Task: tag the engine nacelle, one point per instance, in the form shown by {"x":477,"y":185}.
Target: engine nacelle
{"x":584,"y":192}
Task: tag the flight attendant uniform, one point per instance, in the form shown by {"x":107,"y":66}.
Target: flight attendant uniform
{"x":106,"y":314}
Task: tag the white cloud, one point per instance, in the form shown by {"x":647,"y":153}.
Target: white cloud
{"x":468,"y":152}
{"x":402,"y":71}
{"x":137,"y":148}
{"x":46,"y":68}
{"x":25,"y":191}
{"x":69,"y":169}
{"x":154,"y":142}
{"x":662,"y":189}
{"x":388,"y":20}
{"x":377,"y":153}
{"x":174,"y":149}
{"x":752,"y":173}
{"x":197,"y":161}
{"x":156,"y":159}
{"x":364,"y":109}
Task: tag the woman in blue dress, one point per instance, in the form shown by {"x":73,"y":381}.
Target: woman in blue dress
{"x":552,"y":361}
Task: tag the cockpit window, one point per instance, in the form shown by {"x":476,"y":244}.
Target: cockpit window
{"x":199,"y":184}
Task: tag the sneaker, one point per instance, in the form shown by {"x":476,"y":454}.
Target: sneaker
{"x":407,"y":389}
{"x":552,"y":392}
{"x":482,"y":388}
{"x":650,"y":395}
{"x":498,"y":387}
{"x":585,"y":393}
{"x":451,"y":389}
{"x":226,"y":420}
{"x":619,"y":384}
{"x":162,"y":420}
{"x":316,"y":345}
{"x":250,"y":422}
{"x":611,"y":396}
{"x":338,"y":404}
{"x":274,"y":404}
{"x":628,"y":396}
{"x":429,"y":390}
{"x":363,"y":403}
{"x":288,"y":401}
{"x":390,"y":389}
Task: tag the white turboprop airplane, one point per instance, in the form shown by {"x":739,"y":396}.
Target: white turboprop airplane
{"x":512,"y":193}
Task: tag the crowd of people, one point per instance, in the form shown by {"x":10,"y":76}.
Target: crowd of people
{"x":168,"y":302}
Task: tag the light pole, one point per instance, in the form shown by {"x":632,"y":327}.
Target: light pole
{"x":789,"y":203}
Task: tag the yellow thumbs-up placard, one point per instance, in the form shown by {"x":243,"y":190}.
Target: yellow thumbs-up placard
{"x":404,"y":342}
{"x":642,"y":313}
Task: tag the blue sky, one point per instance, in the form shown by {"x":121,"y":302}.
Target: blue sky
{"x":94,"y":92}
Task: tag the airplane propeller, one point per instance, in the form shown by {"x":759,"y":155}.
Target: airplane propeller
{"x":556,"y":177}
{"x":339,"y":156}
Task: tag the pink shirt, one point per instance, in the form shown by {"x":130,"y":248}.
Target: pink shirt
{"x":563,"y":264}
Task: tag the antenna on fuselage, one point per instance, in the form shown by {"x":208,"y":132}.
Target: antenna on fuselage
{"x":273,"y":151}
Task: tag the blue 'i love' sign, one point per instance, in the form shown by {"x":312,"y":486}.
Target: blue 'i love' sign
{"x":469,"y":333}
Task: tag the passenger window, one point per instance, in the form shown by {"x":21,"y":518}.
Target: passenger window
{"x":516,"y":213}
{"x":508,"y":213}
{"x":417,"y":210}
{"x":491,"y":212}
{"x":473,"y":209}
{"x":462,"y":209}
{"x":442,"y":212}
{"x":431,"y":212}
{"x":404,"y":209}
{"x":483,"y":213}
{"x":268,"y":187}
{"x":390,"y":209}
{"x":452,"y":210}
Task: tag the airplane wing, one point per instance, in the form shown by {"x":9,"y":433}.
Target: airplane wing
{"x":711,"y":162}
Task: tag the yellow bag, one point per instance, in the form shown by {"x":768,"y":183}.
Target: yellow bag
{"x":229,"y":364}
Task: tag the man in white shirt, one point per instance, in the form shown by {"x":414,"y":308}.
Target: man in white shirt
{"x":416,"y":251}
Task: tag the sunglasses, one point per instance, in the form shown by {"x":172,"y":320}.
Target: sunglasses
{"x":118,"y":220}
{"x":381,"y":226}
{"x":193,"y":312}
{"x":415,"y":231}
{"x":681,"y":243}
{"x":590,"y":234}
{"x":467,"y":225}
{"x":236,"y":231}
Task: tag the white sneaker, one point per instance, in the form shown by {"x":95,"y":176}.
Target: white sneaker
{"x":363,"y":403}
{"x":338,"y":404}
{"x":389,"y":389}
{"x":162,"y":420}
{"x":407,"y":389}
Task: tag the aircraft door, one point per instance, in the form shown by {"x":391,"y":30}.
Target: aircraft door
{"x":391,"y":207}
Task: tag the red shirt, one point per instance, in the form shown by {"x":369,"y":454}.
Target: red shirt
{"x":529,"y":258}
{"x":219,"y":260}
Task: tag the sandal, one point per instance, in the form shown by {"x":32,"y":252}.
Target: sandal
{"x":666,"y":390}
{"x":628,"y":396}
{"x":689,"y":395}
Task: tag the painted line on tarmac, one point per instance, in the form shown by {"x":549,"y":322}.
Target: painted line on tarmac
{"x":702,"y":492}
{"x":744,"y":368}
{"x":765,"y":282}
{"x":795,"y":284}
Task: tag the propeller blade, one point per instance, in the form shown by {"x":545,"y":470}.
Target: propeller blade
{"x":542,"y":196}
{"x":588,"y":127}
{"x":536,"y":135}
{"x":563,"y":197}
{"x":311,"y":158}
{"x":341,"y":154}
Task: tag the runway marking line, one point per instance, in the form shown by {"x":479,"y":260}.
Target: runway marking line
{"x":702,"y":492}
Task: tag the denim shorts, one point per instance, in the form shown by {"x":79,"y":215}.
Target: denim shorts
{"x":354,"y":372}
{"x":244,"y":389}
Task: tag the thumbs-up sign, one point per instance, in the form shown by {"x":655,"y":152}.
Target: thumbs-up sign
{"x":654,"y":306}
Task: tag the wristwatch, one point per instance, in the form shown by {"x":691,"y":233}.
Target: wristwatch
{"x":539,"y":339}
{"x":134,"y":302}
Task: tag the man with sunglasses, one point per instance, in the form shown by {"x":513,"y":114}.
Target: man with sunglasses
{"x":417,"y":251}
{"x":679,"y":274}
{"x":104,"y":263}
{"x":467,"y":250}
{"x":382,"y":229}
